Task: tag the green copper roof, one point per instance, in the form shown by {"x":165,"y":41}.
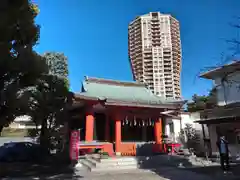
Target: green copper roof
{"x":118,"y":91}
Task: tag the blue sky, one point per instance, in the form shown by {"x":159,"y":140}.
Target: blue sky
{"x":93,"y":34}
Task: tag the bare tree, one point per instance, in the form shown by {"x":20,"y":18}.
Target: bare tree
{"x":234,"y":49}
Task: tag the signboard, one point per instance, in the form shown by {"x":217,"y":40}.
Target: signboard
{"x":74,"y":145}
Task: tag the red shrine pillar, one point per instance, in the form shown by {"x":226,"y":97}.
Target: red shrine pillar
{"x":89,"y":125}
{"x":107,"y":128}
{"x":158,"y":133}
{"x":118,"y":135}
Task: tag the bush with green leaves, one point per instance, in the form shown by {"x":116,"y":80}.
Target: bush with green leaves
{"x":189,"y":137}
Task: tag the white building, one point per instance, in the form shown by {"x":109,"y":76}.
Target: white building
{"x":173,"y":127}
{"x":154,"y":48}
{"x":224,"y":119}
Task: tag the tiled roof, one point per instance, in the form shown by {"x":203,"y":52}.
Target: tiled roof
{"x":118,"y":91}
{"x":222,"y":70}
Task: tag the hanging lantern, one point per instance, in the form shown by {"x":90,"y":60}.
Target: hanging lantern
{"x":143,"y":123}
{"x":123,"y":122}
{"x":150,"y":122}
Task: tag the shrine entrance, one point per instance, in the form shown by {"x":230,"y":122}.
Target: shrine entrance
{"x":133,"y":130}
{"x":138,"y":130}
{"x":99,"y":127}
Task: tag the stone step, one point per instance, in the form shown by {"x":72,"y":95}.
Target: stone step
{"x":115,"y":159}
{"x":96,"y":164}
{"x":88,"y":165}
{"x":114,"y":168}
{"x":107,"y":164}
{"x":95,"y":156}
{"x":92,"y":161}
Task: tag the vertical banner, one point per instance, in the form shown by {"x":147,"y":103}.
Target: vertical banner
{"x":74,"y":145}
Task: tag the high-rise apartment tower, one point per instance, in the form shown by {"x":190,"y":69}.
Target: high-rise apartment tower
{"x":154,"y":49}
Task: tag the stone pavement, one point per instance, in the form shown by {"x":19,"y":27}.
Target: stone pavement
{"x":164,"y":173}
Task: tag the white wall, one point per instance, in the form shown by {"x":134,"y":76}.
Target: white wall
{"x":178,"y":124}
{"x":176,"y":128}
{"x":186,"y":118}
{"x":230,"y":91}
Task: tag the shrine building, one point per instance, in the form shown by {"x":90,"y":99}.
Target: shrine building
{"x":122,"y":118}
